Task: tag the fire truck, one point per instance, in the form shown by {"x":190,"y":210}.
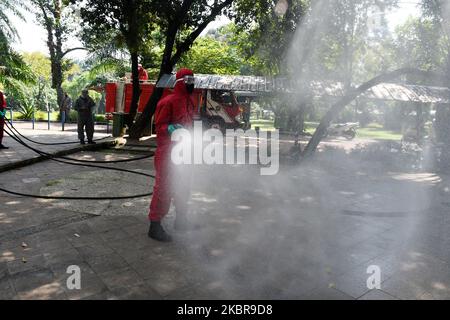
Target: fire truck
{"x":218,"y":108}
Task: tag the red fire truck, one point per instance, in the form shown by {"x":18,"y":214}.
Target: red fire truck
{"x":218,"y":108}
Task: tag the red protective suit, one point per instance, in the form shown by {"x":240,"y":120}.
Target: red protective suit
{"x":176,"y":108}
{"x":2,"y":119}
{"x":143,"y":75}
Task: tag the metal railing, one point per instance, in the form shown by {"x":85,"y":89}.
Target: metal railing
{"x":63,"y":120}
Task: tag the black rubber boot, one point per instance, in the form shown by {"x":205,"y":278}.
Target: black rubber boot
{"x":82,"y":142}
{"x":3,"y":147}
{"x":157,"y":232}
{"x":92,"y":142}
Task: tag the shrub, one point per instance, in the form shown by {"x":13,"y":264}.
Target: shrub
{"x":72,"y":117}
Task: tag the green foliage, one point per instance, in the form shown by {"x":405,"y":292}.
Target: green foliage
{"x":7,"y":30}
{"x":21,"y":101}
{"x":39,"y":63}
{"x":267,"y":28}
{"x":73,"y":116}
{"x":211,"y":56}
{"x":125,"y":22}
{"x":418,"y":43}
{"x":97,"y":72}
{"x":16,"y":78}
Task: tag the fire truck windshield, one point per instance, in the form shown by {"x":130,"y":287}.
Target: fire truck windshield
{"x":223,"y":97}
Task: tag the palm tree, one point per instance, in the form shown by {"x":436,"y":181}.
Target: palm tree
{"x":7,"y":30}
{"x":15,"y":74}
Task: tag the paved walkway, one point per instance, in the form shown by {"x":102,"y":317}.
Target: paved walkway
{"x":310,"y":232}
{"x":17,"y":152}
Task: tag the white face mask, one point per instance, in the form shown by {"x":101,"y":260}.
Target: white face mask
{"x":187,"y":80}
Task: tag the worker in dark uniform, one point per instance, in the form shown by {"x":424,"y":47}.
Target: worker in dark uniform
{"x":84,"y":106}
{"x":66,"y":105}
{"x":2,"y":118}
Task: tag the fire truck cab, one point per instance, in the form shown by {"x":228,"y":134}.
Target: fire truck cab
{"x":219,"y":109}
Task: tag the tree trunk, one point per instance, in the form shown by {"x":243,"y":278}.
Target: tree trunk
{"x":301,"y":118}
{"x":54,"y":44}
{"x":136,"y":89}
{"x":145,"y":118}
{"x":133,"y":47}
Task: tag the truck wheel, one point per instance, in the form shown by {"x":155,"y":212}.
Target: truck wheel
{"x":350,"y":134}
{"x":217,"y":123}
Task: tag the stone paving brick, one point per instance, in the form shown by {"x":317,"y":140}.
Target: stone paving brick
{"x":136,"y":229}
{"x":109,"y":262}
{"x":29,"y":263}
{"x":28,"y":281}
{"x":113,"y":234}
{"x":103,"y":295}
{"x":50,"y":291}
{"x":352,"y":283}
{"x":125,"y":221}
{"x":199,"y":292}
{"x":165,"y":283}
{"x":377,"y":295}
{"x":80,"y":228}
{"x":101,"y":224}
{"x":3,"y":270}
{"x":77,"y":240}
{"x":94,"y":250}
{"x":66,"y":257}
{"x":91,"y":284}
{"x":139,"y":292}
{"x":7,"y":291}
{"x":58,"y":245}
{"x":7,"y":255}
{"x":402,"y":288}
{"x":120,"y":278}
{"x":326,"y":293}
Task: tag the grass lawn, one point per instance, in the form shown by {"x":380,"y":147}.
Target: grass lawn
{"x":40,"y":115}
{"x":372,"y":131}
{"x":43,"y":116}
{"x":265,"y":125}
{"x":376,"y":131}
{"x":310,"y":127}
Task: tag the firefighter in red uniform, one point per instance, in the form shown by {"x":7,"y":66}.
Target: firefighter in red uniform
{"x":172,"y":112}
{"x":143,"y":75}
{"x":2,"y":118}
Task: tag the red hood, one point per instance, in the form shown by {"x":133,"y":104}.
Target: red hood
{"x":180,"y":87}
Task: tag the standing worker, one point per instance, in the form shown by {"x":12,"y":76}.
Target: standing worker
{"x":173,"y":112}
{"x":143,"y":75}
{"x":2,"y":118}
{"x":66,"y":105}
{"x":84,"y":106}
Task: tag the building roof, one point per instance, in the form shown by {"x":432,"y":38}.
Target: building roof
{"x":319,"y":89}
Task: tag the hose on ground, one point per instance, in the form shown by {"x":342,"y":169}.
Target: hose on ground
{"x":79,"y":160}
{"x":11,"y":127}
{"x":46,"y":143}
{"x":51,"y":157}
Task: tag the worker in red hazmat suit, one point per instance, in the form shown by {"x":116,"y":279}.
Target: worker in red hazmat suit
{"x":143,"y":75}
{"x":173,"y":112}
{"x":2,"y":118}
